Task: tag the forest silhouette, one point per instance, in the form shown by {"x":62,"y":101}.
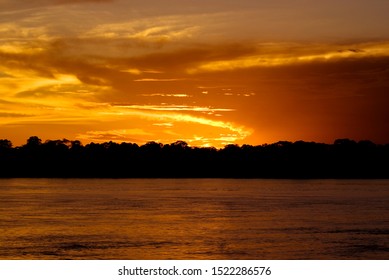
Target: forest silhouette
{"x":344,"y":158}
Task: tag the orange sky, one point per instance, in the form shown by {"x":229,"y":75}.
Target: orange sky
{"x":207,"y":72}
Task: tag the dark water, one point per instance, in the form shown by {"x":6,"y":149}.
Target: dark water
{"x":193,"y":219}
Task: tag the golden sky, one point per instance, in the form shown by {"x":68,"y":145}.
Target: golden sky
{"x":209,"y":72}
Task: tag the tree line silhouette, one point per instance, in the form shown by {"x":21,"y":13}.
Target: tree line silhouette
{"x":344,"y":158}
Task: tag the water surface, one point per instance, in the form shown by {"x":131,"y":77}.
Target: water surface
{"x":193,"y":219}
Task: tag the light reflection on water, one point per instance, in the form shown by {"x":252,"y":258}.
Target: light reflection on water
{"x":193,"y":219}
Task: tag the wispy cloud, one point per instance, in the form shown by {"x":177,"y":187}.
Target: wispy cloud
{"x":158,"y":80}
{"x":172,"y":114}
{"x":166,"y":124}
{"x":179,"y":95}
{"x":174,"y":108}
{"x":299,"y":56}
{"x":135,"y":30}
{"x":161,"y":125}
{"x":116,"y":135}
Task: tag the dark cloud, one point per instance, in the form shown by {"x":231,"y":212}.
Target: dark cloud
{"x":62,"y":57}
{"x":352,"y":50}
{"x":189,"y":57}
{"x":37,"y":62}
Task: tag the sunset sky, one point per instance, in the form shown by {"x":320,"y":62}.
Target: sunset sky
{"x":208,"y":72}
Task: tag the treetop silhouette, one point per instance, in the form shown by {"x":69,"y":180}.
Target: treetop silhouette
{"x":344,"y":158}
